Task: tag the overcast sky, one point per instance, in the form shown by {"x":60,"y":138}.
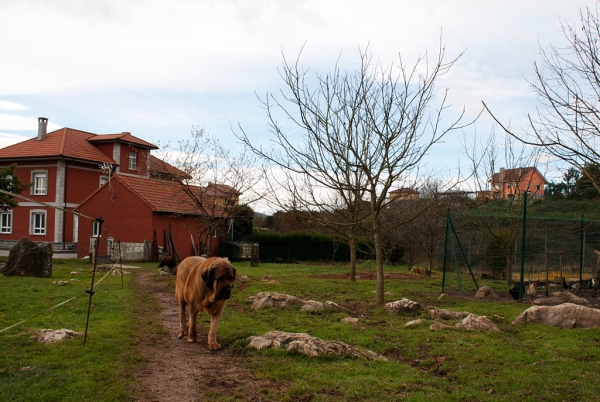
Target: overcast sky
{"x":157,"y":68}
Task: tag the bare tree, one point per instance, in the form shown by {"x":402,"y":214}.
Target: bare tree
{"x":215,"y":179}
{"x":567,"y":83}
{"x":362,"y":131}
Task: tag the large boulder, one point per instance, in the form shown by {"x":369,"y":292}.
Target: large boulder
{"x":403,"y":305}
{"x":567,"y":315}
{"x":28,"y":259}
{"x":273,"y":299}
{"x":309,"y":345}
{"x":557,"y":298}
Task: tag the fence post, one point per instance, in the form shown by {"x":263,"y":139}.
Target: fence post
{"x":523,"y":246}
{"x":581,"y":254}
{"x":446,"y":248}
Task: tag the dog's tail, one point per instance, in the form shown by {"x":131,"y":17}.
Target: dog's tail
{"x":170,"y":263}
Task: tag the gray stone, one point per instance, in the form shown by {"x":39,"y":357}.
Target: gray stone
{"x":312,"y":305}
{"x":272,"y":299}
{"x":557,"y":298}
{"x":567,"y":315}
{"x":27,"y":259}
{"x":309,"y":345}
{"x":350,"y":320}
{"x":486,"y":292}
{"x":51,"y":336}
{"x":474,"y":322}
{"x":415,"y":322}
{"x":436,"y":326}
{"x":403,"y":305}
{"x":436,"y":313}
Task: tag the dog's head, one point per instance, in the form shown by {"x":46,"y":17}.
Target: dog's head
{"x":219,"y":276}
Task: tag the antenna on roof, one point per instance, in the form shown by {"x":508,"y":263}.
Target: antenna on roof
{"x":107,"y":168}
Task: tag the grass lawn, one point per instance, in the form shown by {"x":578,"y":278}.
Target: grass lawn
{"x":529,"y":362}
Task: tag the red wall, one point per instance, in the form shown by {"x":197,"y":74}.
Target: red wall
{"x":142,"y":160}
{"x":126,"y":217}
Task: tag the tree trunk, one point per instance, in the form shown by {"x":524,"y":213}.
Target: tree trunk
{"x":378,"y":260}
{"x":352,"y":244}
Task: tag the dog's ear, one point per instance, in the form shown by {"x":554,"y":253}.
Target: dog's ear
{"x":233,"y":272}
{"x":208,"y":276}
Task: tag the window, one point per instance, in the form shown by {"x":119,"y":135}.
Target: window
{"x":38,"y":223}
{"x":509,"y":185}
{"x":40,"y":183}
{"x":132,"y":160}
{"x":96,"y":229}
{"x":538,"y":187}
{"x":6,"y":222}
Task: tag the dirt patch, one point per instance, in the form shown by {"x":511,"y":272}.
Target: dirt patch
{"x":180,"y":371}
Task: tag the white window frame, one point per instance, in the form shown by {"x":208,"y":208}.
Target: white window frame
{"x":6,"y":228}
{"x":96,"y":229}
{"x":38,"y":231}
{"x":35,"y":189}
{"x":132,"y":160}
{"x":103,"y":179}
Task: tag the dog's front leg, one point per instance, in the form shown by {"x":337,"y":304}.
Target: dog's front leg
{"x":183,"y":326}
{"x":193,"y":326}
{"x":212,"y":333}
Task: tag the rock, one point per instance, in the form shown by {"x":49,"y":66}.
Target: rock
{"x":442,"y":296}
{"x":62,"y":283}
{"x":309,"y":345}
{"x":27,"y":259}
{"x":350,"y":320}
{"x":75,"y":273}
{"x":403,"y":305}
{"x":51,"y":336}
{"x":117,"y":272}
{"x":435,"y":313}
{"x":272,"y":282}
{"x":273,"y":299}
{"x":163,"y":273}
{"x":567,"y":315}
{"x":436,"y":326}
{"x":415,"y":322}
{"x":267,"y":278}
{"x":474,"y":322}
{"x":312,"y":305}
{"x":104,"y":268}
{"x":486,"y":292}
{"x":243,"y":278}
{"x":559,"y":298}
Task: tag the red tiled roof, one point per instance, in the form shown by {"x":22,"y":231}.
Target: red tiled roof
{"x":65,"y":142}
{"x":162,"y":167}
{"x":517,"y":174}
{"x":166,"y":196}
{"x":123,"y":137}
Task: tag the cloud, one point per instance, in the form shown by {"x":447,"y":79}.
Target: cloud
{"x":22,"y":123}
{"x":11,"y":106}
{"x":10,"y":139}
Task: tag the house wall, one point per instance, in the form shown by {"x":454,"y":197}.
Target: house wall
{"x":126,"y":218}
{"x":142,"y":159}
{"x":182,"y":227}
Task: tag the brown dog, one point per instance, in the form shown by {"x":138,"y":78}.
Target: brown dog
{"x":203,"y":284}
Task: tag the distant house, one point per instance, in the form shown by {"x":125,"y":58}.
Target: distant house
{"x":511,"y":183}
{"x":404,"y":194}
{"x":139,"y":208}
{"x":70,"y":167}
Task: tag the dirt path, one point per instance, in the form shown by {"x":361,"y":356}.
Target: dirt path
{"x":181,"y":371}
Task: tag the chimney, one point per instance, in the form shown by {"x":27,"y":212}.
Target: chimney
{"x":42,"y":125}
{"x":501,"y":175}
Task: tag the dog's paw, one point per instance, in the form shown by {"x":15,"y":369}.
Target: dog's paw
{"x":191,"y":340}
{"x":181,"y":335}
{"x":214,"y":346}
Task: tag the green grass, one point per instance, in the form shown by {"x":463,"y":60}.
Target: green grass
{"x":528,"y":362}
{"x":68,"y":370}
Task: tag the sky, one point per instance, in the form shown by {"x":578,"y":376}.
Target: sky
{"x":158,"y":68}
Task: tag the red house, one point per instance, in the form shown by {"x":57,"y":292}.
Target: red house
{"x":509,"y":183}
{"x":67,"y":167}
